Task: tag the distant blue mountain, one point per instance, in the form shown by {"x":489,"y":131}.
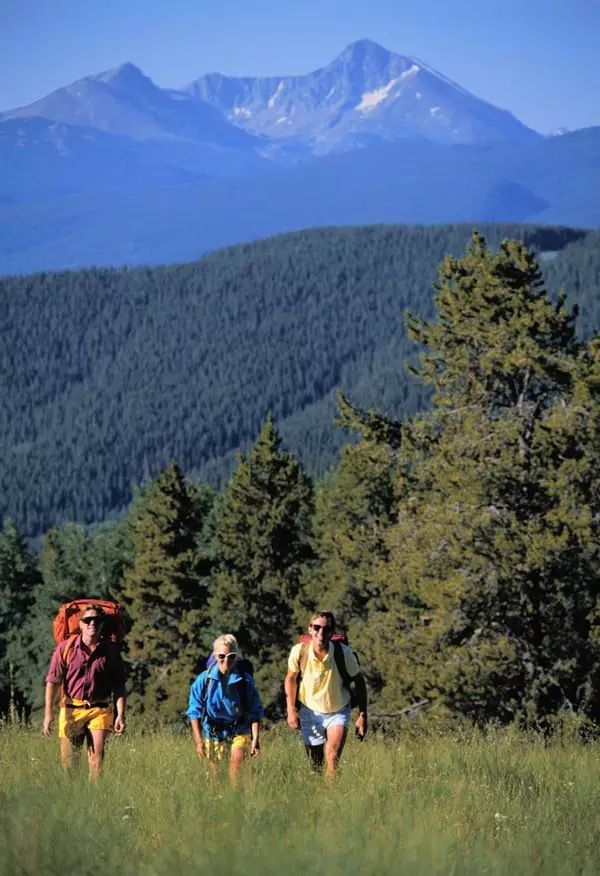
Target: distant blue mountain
{"x":552,"y":181}
{"x":158,"y":125}
{"x":113,"y":169}
{"x":126,"y":102}
{"x":43,"y":158}
{"x":366,"y":94}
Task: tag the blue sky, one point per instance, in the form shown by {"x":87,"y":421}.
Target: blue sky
{"x":537,"y":58}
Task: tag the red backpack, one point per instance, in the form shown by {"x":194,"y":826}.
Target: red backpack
{"x":66,"y":622}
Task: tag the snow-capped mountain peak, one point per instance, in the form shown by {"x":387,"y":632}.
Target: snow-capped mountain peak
{"x":366,"y":92}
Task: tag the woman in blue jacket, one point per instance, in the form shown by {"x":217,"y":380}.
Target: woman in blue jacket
{"x":225,"y":709}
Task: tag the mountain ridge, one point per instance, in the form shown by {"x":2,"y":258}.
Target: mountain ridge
{"x":124,"y":172}
{"x":548,"y":181}
{"x":365,"y":91}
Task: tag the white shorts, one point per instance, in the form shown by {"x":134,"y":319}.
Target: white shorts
{"x":314,"y":725}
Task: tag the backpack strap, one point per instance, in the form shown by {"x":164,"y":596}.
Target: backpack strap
{"x":68,"y":649}
{"x":303,"y":659}
{"x":204,"y":698}
{"x":65,"y":659}
{"x":340,"y":662}
{"x":349,"y":682}
{"x":244,"y":699}
{"x":244,"y":702}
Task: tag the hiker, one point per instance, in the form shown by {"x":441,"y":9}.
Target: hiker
{"x":314,"y":680}
{"x":89,"y":670}
{"x":225,"y":709}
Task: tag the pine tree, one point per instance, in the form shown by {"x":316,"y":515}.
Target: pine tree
{"x":262,"y":542}
{"x":165,"y":593}
{"x":64,"y":574}
{"x":354,"y":510}
{"x":493,"y":556}
{"x":18,"y":579}
{"x":498,"y":339}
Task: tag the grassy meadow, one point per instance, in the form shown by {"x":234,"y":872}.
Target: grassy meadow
{"x":429,"y":804}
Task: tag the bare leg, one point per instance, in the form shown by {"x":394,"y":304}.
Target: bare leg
{"x":238,"y":756}
{"x":95,"y":741}
{"x":68,"y":749}
{"x":316,"y":754}
{"x":336,"y":738}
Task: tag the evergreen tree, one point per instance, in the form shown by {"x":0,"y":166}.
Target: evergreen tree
{"x":262,"y":542}
{"x":110,"y":550}
{"x":493,"y":564}
{"x":64,"y":564}
{"x":18,"y":579}
{"x":354,"y":510}
{"x":165,"y":592}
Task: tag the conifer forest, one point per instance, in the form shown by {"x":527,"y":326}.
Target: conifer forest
{"x":400,"y":424}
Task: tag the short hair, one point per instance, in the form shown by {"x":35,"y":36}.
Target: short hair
{"x":326,"y":614}
{"x":228,"y":640}
{"x":97,"y":608}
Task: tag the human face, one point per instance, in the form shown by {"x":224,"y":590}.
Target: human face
{"x":226,"y":658}
{"x":320,"y":631}
{"x":91,"y":626}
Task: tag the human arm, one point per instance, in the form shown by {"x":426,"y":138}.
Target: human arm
{"x":196,"y":709}
{"x":52,"y":689}
{"x":54,"y":680}
{"x":253,"y":715}
{"x":197,"y":736}
{"x":291,"y":692}
{"x":118,"y":687}
{"x":120,"y":719}
{"x":360,"y":689}
{"x":249,"y":709}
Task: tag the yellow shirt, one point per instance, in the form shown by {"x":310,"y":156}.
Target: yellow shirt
{"x":321,"y":688}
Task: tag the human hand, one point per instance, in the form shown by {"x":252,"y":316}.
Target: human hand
{"x":200,"y":749}
{"x":361,"y":726}
{"x":119,"y":727}
{"x":47,"y":725}
{"x":292,"y":718}
{"x":255,"y":748}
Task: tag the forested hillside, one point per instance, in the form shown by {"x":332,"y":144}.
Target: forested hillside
{"x":109,"y":374}
{"x":458,"y":546}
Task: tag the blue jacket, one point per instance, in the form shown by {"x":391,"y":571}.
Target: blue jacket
{"x":224,"y":708}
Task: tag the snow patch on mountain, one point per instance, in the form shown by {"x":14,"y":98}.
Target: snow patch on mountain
{"x":370,"y":99}
{"x":277,"y":94}
{"x":365,"y":94}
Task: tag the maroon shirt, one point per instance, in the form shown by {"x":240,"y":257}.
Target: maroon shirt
{"x":88,"y":675}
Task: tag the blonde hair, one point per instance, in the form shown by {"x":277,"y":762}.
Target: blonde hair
{"x":228,"y":640}
{"x":326,"y":614}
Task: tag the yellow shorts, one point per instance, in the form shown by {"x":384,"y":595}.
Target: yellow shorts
{"x":76,"y":719}
{"x":214,"y":749}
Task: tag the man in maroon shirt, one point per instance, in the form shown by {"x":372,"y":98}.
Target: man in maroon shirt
{"x":89,"y":670}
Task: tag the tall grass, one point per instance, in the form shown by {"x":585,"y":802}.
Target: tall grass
{"x":501,"y":803}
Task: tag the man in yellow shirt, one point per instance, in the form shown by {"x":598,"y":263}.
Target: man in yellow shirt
{"x":321,"y":682}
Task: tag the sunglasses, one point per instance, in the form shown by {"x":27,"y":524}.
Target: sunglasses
{"x":92,"y":620}
{"x":231,"y":656}
{"x":325,"y":627}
